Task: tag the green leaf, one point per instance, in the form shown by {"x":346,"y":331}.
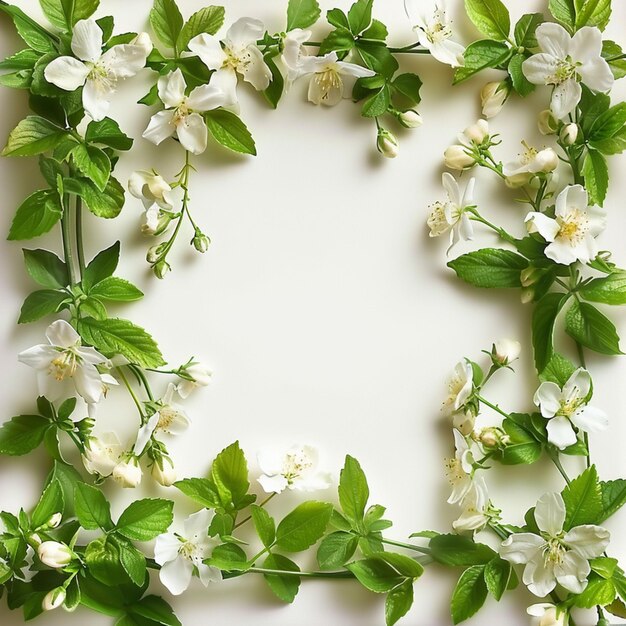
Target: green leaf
{"x":596,"y":174}
{"x":103,"y":560}
{"x":608,"y":123}
{"x":116,"y":290}
{"x":376,"y":574}
{"x":302,"y":13}
{"x":340,"y":40}
{"x":46,"y":269}
{"x":36,"y":215}
{"x":229,"y":473}
{"x":360,"y":16}
{"x":143,"y":520}
{"x":378,"y":103}
{"x":68,"y":478}
{"x":613,"y":145}
{"x":156,"y":609}
{"x":398,"y":602}
{"x":598,"y":592}
{"x":526,"y":28}
{"x":564,"y":12}
{"x":133,"y":561}
{"x":377,"y":31}
{"x":524,"y":446}
{"x":101,"y":266}
{"x":491,"y":18}
{"x":41,"y":303}
{"x":108,"y":133}
{"x":274,"y":92}
{"x":22,"y":434}
{"x":33,"y":135}
{"x":229,"y":557}
{"x":353,"y":491}
{"x":612,"y":53}
{"x":593,"y":13}
{"x":118,"y":336}
{"x":459,"y":550}
{"x":543,"y":323}
{"x":336,"y":549}
{"x":264,"y":524}
{"x":520,"y":83}
{"x":408,"y":87}
{"x":585,"y":324}
{"x":497,"y":577}
{"x":285,"y":587}
{"x":228,"y":130}
{"x":207,"y":20}
{"x":167,"y":22}
{"x":481,"y":55}
{"x":32,"y":33}
{"x":404,"y":565}
{"x":304,"y":526}
{"x":583,"y":500}
{"x":106,"y":204}
{"x":201,"y":490}
{"x":376,"y":56}
{"x":558,"y":370}
{"x":92,"y":509}
{"x":613,"y":497}
{"x":65,"y":13}
{"x":338,"y":19}
{"x":469,"y":594}
{"x":51,"y":502}
{"x":92,"y":163}
{"x":609,"y":290}
{"x":490,"y":268}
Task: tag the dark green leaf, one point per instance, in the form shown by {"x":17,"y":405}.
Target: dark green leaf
{"x":156,"y":609}
{"x":92,"y":163}
{"x":340,"y":40}
{"x":376,"y":574}
{"x":108,"y":133}
{"x":490,"y":267}
{"x":36,"y":215}
{"x":458,"y":550}
{"x":22,"y":433}
{"x":336,"y":549}
{"x":497,"y":577}
{"x":101,"y":266}
{"x":399,"y":601}
{"x":106,"y":204}
{"x":103,"y":560}
{"x":596,"y":174}
{"x":520,"y":83}
{"x":360,"y":16}
{"x":228,"y":130}
{"x":469,"y":594}
{"x":543,"y":322}
{"x":143,"y":520}
{"x":408,"y":87}
{"x":51,"y":502}
{"x":609,"y":290}
{"x":46,"y":268}
{"x":116,"y":289}
{"x":479,"y":56}
{"x":167,"y":22}
{"x":264,"y":524}
{"x":585,"y":324}
{"x":92,"y":509}
{"x":304,"y":526}
{"x":525,"y":30}
{"x":41,"y":303}
{"x":613,"y":497}
{"x":133,"y":561}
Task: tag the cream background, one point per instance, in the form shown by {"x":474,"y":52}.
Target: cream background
{"x":327,"y":314}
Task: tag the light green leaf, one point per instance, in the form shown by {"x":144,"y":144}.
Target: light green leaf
{"x":481,"y":55}
{"x":598,"y":592}
{"x":32,"y":33}
{"x":558,"y":370}
{"x":264,"y":524}
{"x":524,"y":446}
{"x":285,"y":587}
{"x":583,"y":500}
{"x":103,"y":560}
{"x":609,"y":290}
{"x":36,"y":215}
{"x":491,"y":18}
{"x":51,"y":502}
{"x":92,"y":163}
{"x":336,"y":549}
{"x":65,"y":13}
{"x":133,"y":561}
{"x":398,"y":603}
{"x":201,"y":490}
{"x":22,"y":434}
{"x":167,"y":22}
{"x":41,"y":303}
{"x":116,"y":290}
{"x":229,"y":473}
{"x":596,"y":174}
{"x":353,"y":491}
{"x":228,"y":130}
{"x":613,"y":497}
{"x":408,"y":87}
{"x":106,"y":204}
{"x":156,"y":609}
{"x":458,"y":550}
{"x":585,"y":324}
{"x":340,"y":40}
{"x":520,"y":83}
{"x":33,"y":135}
{"x":144,"y":519}
{"x":304,"y":526}
{"x":609,"y":123}
{"x":593,"y":13}
{"x":497,"y":577}
{"x":207,"y":20}
{"x":490,"y":268}
{"x":376,"y":574}
{"x":302,"y":13}
{"x":564,"y":12}
{"x":92,"y":509}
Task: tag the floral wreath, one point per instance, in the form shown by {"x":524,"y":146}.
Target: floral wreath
{"x":70,"y":69}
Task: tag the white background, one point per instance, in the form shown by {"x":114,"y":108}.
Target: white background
{"x":327,"y":314}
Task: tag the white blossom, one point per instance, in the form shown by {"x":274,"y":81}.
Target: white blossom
{"x":196,"y":375}
{"x":493,"y":96}
{"x":54,"y":554}
{"x":297,"y":468}
{"x":180,"y":555}
{"x":565,"y":62}
{"x":164,"y":473}
{"x":387,"y":144}
{"x":460,"y":386}
{"x":294,"y":51}
{"x":475,"y":504}
{"x":460,"y":472}
{"x":572,"y":232}
{"x":102,"y":454}
{"x":555,"y":556}
{"x":156,"y":195}
{"x":567,"y":408}
{"x":53,"y":599}
{"x":97,"y":72}
{"x":127,"y":474}
{"x":546,"y":614}
{"x":505,"y":351}
{"x":529,"y":163}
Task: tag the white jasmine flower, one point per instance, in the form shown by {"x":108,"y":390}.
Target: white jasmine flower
{"x":181,"y":555}
{"x":460,"y":471}
{"x":529,"y":163}
{"x":493,"y":96}
{"x":164,"y":473}
{"x":54,"y":554}
{"x":565,"y":62}
{"x":182,"y":115}
{"x":387,"y":144}
{"x":295,"y":469}
{"x":128,"y":473}
{"x":475,"y":505}
{"x":196,"y":375}
{"x":98,"y":72}
{"x":545,"y":614}
{"x":102,"y":454}
{"x":434,"y":31}
{"x":294,"y":52}
{"x":505,"y":351}
{"x":108,"y":381}
{"x":65,"y":366}
{"x":410,"y":119}
{"x":53,"y":599}
{"x":236,"y":54}
{"x":464,"y":421}
{"x":331,"y":79}
{"x":452,"y":215}
{"x":155,"y":193}
{"x":572,"y":232}
{"x":169,"y":419}
{"x":555,"y":556}
{"x":567,"y":408}
{"x":460,"y":386}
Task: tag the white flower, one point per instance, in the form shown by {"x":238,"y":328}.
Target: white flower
{"x":294,"y":52}
{"x":567,"y":407}
{"x":196,"y":375}
{"x":565,"y":62}
{"x":529,"y":163}
{"x":98,"y":72}
{"x":475,"y":133}
{"x":545,"y":614}
{"x":569,"y":134}
{"x":462,"y":156}
{"x":452,"y":215}
{"x":571,"y":233}
{"x":107,"y":382}
{"x":505,"y":351}
{"x":102,"y":454}
{"x":493,"y":96}
{"x":547,"y":123}
{"x":236,"y":54}
{"x":54,"y":554}
{"x":460,"y":472}
{"x":475,"y":504}
{"x":464,"y":421}
{"x":433,"y":29}
{"x":180,"y":555}
{"x":331,"y":79}
{"x":155,"y":193}
{"x":128,"y":473}
{"x":164,"y":472}
{"x":460,"y":385}
{"x":65,"y":365}
{"x":295,"y":469}
{"x":555,"y":556}
{"x":410,"y":119}
{"x":182,"y":115}
{"x":169,"y":419}
{"x":387,"y":144}
{"x":53,"y":599}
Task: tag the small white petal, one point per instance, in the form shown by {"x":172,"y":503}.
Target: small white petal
{"x":572,"y":197}
{"x":209,"y":574}
{"x":197,"y":524}
{"x":176,"y":575}
{"x":560,"y":433}
{"x":66,"y":73}
{"x":97,"y":99}
{"x":206,"y":98}
{"x":521,"y":547}
{"x":597,"y":75}
{"x":588,"y":540}
{"x":88,"y":383}
{"x":590,"y":419}
{"x":539,"y":577}
{"x":171,"y":89}
{"x":192,"y":132}
{"x":542,"y":224}
{"x":62,"y":334}
{"x":548,"y":398}
{"x":166,"y":548}
{"x":161,"y":127}
{"x":125,"y":60}
{"x":208,"y":49}
{"x":578,"y":384}
{"x":144,"y":434}
{"x":572,"y":572}
{"x":87,"y":40}
{"x":448,"y":52}
{"x":452,"y":188}
{"x":586,"y":44}
{"x":550,"y":513}
{"x":273,"y":484}
{"x":256,"y":72}
{"x":244,"y":31}
{"x":565,"y":98}
{"x":554,"y":40}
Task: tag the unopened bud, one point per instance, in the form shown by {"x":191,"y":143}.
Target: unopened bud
{"x":55,"y":554}
{"x":530,"y":275}
{"x":569,"y":134}
{"x":527,"y":295}
{"x":128,"y":473}
{"x":54,"y":520}
{"x":410,"y":119}
{"x":457,"y":158}
{"x":493,"y":96}
{"x":161,"y":269}
{"x":154,"y":252}
{"x":493,"y":438}
{"x":53,"y":599}
{"x":201,"y":242}
{"x":547,"y":123}
{"x":505,"y":351}
{"x":478,"y":132}
{"x":387,"y":144}
{"x":164,"y":473}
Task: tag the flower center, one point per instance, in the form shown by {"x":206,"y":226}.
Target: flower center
{"x":237,"y":60}
{"x":99,"y":74}
{"x":294,"y":465}
{"x":439,"y":29}
{"x":64,"y":365}
{"x":454,"y":471}
{"x":529,"y":154}
{"x":328,"y":80}
{"x":183,"y":111}
{"x":565,"y":70}
{"x":553,"y":552}
{"x":167,"y":415}
{"x":189,"y":550}
{"x":455,"y":386}
{"x":574,"y":226}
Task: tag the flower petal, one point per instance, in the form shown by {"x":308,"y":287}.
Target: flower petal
{"x":62,"y":334}
{"x":161,"y":127}
{"x":554,"y":40}
{"x":166,"y":548}
{"x":452,"y":188}
{"x":144,"y":434}
{"x":521,"y":547}
{"x":192,"y":132}
{"x":588,"y":540}
{"x":125,"y":60}
{"x":66,"y":73}
{"x":176,"y":575}
{"x":586,"y":44}
{"x":542,"y":224}
{"x":273,"y":484}
{"x":88,"y":383}
{"x":539,"y":68}
{"x":539,"y":577}
{"x":171,"y":89}
{"x":209,"y":50}
{"x":597,"y":75}
{"x":244,"y":31}
{"x":197,"y":524}
{"x":563,"y":252}
{"x":548,"y":398}
{"x":448,"y":52}
{"x":550,"y":513}
{"x":209,"y":574}
{"x":38,"y":357}
{"x":87,"y":40}
{"x":572,"y":572}
{"x":590,"y":419}
{"x":565,"y":98}
{"x":206,"y":98}
{"x":573,"y":197}
{"x":328,"y":95}
{"x":578,"y":385}
{"x":97,"y":99}
{"x":560,"y":433}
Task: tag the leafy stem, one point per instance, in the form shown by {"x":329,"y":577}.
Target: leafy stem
{"x":247,"y":519}
{"x":67,"y":241}
{"x":503,"y":234}
{"x":407,"y":546}
{"x":277,"y":572}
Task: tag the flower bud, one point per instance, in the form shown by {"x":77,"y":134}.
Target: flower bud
{"x":53,"y":599}
{"x":457,"y":158}
{"x":410,"y":119}
{"x":505,"y":351}
{"x":35,"y":539}
{"x":478,"y":132}
{"x":143,"y":40}
{"x":493,"y":96}
{"x":54,"y":520}
{"x":193,"y":375}
{"x":569,"y":134}
{"x":128,"y":473}
{"x":464,"y":422}
{"x":547,"y":123}
{"x":387,"y":144}
{"x":54,"y":554}
{"x":547,"y":160}
{"x":161,"y":269}
{"x":545,"y":614}
{"x":201,"y":242}
{"x":492,"y":438}
{"x":527,"y":295}
{"x":164,"y":473}
{"x":530,"y":276}
{"x":154,"y":252}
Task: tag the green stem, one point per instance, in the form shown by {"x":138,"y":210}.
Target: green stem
{"x":498,"y":530}
{"x":477,"y":217}
{"x":495,"y":407}
{"x":278,"y":572}
{"x":132,"y":393}
{"x":80,"y":249}
{"x":557,"y":464}
{"x":407,"y":546}
{"x":247,"y":519}
{"x":140,"y":374}
{"x":67,"y":242}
